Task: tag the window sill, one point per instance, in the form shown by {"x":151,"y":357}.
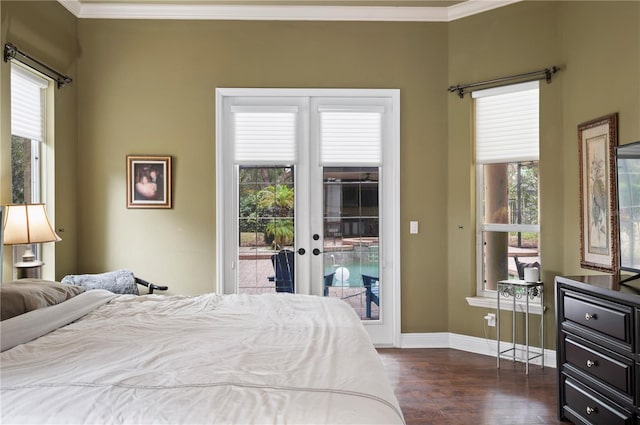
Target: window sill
{"x":505,"y":305}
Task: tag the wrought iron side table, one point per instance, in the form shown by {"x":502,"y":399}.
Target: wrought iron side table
{"x":517,"y":289}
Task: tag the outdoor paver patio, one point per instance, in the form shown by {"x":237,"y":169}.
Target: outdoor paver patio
{"x":253,"y":275}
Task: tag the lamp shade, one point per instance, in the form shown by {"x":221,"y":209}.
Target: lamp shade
{"x":27,"y":224}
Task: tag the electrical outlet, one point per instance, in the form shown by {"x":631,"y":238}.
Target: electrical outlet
{"x":491,"y":319}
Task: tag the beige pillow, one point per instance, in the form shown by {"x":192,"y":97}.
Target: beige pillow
{"x":20,"y":296}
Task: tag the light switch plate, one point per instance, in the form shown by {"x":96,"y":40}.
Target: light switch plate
{"x":413,"y":227}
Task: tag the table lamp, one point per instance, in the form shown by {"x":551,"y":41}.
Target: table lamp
{"x":27,"y":224}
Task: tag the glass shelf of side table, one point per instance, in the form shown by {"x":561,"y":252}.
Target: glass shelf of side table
{"x":518,"y":289}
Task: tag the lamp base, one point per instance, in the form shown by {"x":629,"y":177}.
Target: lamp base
{"x":29,"y":269}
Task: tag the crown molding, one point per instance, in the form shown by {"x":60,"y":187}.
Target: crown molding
{"x":73,"y":6}
{"x":119,"y":10}
{"x":474,"y":7}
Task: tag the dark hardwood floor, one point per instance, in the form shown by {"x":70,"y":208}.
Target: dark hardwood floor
{"x":443,"y":386}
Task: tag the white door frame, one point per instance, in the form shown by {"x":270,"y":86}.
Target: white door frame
{"x":389,"y":261}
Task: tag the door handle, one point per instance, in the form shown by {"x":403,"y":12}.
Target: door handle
{"x":316,"y":251}
{"x":301,"y":251}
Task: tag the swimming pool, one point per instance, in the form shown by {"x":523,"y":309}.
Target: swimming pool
{"x":349,"y":273}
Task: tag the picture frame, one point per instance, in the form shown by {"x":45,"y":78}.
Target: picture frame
{"x":597,"y":140}
{"x":149,"y":182}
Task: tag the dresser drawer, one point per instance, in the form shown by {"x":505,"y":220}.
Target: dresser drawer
{"x":637,"y":330}
{"x":582,"y":406}
{"x":637,"y":386}
{"x":609,"y":319}
{"x":614,"y":372}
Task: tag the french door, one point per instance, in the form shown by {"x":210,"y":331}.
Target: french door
{"x":307,"y":198}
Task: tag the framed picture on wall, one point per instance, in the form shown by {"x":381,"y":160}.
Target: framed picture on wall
{"x":598,"y":195}
{"x":148,"y":181}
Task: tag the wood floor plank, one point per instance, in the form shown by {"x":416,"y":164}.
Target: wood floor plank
{"x":450,"y":387}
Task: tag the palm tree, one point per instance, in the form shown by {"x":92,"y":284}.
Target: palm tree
{"x":282,"y":232}
{"x":280,"y":201}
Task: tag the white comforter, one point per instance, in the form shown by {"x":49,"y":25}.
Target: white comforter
{"x":193,"y":360}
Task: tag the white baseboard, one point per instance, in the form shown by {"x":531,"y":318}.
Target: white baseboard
{"x":487,"y":347}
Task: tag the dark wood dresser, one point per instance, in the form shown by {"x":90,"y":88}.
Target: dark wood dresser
{"x":598,"y":349}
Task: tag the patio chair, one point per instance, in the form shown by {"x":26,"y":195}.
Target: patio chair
{"x":372,"y":289}
{"x":283,"y":265}
{"x":521,"y":266}
{"x":118,"y":282}
{"x":328,"y":281}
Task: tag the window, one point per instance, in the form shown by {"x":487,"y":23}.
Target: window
{"x":28,"y":100}
{"x":28,"y":92}
{"x":507,"y":160}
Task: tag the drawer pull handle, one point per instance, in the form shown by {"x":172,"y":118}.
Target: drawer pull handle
{"x":590,"y":316}
{"x":591,"y":410}
{"x":591,"y":363}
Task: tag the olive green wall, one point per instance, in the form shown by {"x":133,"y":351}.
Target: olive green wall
{"x":46,"y":31}
{"x":598,"y":46}
{"x":147,"y":87}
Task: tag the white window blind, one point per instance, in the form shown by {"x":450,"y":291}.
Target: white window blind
{"x":265,"y":134}
{"x":27,"y":103}
{"x":351,"y":135}
{"x":507,"y":128}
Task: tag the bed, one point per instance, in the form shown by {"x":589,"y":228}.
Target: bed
{"x":95,"y":357}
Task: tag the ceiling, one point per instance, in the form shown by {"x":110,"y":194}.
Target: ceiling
{"x":309,"y":10}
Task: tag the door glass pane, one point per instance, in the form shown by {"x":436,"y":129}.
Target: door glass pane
{"x":266,"y":229}
{"x":351,"y":237}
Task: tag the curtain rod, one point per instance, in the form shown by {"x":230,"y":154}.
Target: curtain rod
{"x":523,"y":78}
{"x":12,"y":52}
